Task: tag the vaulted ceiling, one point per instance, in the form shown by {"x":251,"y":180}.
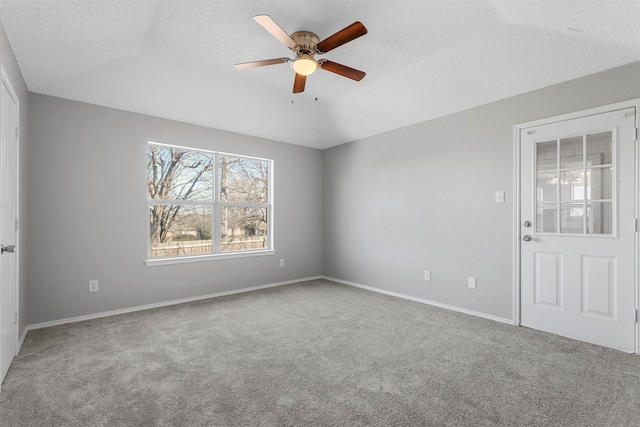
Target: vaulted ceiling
{"x":423,"y":59}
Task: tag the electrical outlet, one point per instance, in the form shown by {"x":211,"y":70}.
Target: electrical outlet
{"x":427,"y":275}
{"x":282,"y":262}
{"x":473,"y":282}
{"x":93,"y":286}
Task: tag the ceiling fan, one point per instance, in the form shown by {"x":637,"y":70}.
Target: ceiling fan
{"x":305,"y":45}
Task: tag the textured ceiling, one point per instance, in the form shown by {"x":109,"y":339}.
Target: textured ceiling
{"x":424,"y":59}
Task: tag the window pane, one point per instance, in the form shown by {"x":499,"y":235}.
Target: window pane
{"x":599,"y":184}
{"x":546,"y":155}
{"x":599,"y":218}
{"x":571,"y":151}
{"x":243,"y":228}
{"x":179,"y":174}
{"x":180,"y":230}
{"x":547,"y":187}
{"x":546,"y":219}
{"x":243,"y":179}
{"x":571,"y":217}
{"x":599,"y":149}
{"x":572,"y":185}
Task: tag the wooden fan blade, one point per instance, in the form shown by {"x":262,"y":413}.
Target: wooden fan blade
{"x":343,"y":70}
{"x":343,"y":36}
{"x":298,"y":83}
{"x":254,"y":64}
{"x":270,"y":25}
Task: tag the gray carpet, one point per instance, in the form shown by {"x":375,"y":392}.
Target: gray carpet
{"x":314,"y":353}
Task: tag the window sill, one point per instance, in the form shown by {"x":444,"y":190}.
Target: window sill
{"x":209,"y":257}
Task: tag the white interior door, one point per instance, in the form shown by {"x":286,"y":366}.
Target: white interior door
{"x":578,"y":228}
{"x":8,"y":210}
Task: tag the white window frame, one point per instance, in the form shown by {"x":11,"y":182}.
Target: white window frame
{"x":216,"y":205}
{"x":584,"y":202}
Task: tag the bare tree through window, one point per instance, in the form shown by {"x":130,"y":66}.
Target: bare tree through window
{"x":243,"y":180}
{"x":183,"y":201}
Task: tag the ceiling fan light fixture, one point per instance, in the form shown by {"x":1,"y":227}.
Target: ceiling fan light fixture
{"x":305,"y":45}
{"x":305,"y":65}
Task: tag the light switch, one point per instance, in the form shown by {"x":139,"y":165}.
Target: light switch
{"x":500,"y":196}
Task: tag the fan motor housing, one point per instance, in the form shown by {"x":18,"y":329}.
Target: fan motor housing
{"x":305,"y":41}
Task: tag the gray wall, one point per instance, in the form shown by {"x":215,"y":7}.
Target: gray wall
{"x":10,"y":65}
{"x":422,"y":197}
{"x":88,"y":212}
{"x":377,"y":212}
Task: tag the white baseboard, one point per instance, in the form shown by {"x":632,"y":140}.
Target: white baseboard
{"x":22,"y":337}
{"x":423,"y":301}
{"x":156,"y":305}
{"x":252,"y":288}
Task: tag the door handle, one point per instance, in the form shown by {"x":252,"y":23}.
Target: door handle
{"x":10,"y":248}
{"x":526,"y":238}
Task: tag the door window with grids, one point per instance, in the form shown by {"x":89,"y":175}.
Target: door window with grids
{"x":204,"y":203}
{"x":575,"y":185}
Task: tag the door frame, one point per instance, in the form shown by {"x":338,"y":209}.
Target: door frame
{"x":517,"y":218}
{"x":4,"y":78}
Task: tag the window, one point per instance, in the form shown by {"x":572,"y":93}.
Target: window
{"x":205,"y":204}
{"x":575,"y":182}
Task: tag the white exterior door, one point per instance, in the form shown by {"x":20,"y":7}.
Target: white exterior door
{"x":8,"y":233}
{"x":578,"y":228}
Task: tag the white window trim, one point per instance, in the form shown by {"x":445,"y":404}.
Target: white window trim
{"x":152,"y":262}
{"x":216,"y":255}
{"x":585,"y":201}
